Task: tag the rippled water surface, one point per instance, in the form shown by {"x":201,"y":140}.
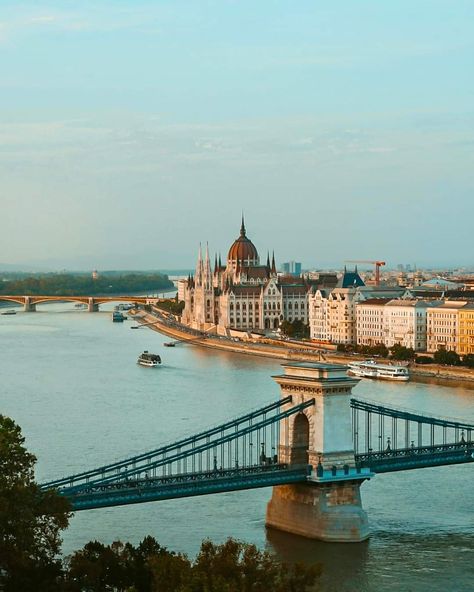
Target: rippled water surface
{"x":70,"y":379}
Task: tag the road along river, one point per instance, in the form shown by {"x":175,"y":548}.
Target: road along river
{"x":70,"y":379}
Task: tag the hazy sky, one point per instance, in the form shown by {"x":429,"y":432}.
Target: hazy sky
{"x":132,"y":130}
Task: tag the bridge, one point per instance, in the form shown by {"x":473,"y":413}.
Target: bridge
{"x":92,"y":302}
{"x":315,"y":446}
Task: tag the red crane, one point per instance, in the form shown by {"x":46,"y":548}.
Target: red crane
{"x":378,"y":265}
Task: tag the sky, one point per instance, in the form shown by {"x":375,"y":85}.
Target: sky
{"x":131,"y":131}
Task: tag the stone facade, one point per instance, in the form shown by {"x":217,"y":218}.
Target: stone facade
{"x":442,"y":326}
{"x":242,"y":294}
{"x":326,"y":508}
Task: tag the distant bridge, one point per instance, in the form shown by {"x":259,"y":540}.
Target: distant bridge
{"x":92,"y":302}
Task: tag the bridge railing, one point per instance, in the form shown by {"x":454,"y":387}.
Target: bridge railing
{"x":251,"y":440}
{"x":380,"y":429}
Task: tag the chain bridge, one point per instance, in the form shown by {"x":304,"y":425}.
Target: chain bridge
{"x":314,"y":446}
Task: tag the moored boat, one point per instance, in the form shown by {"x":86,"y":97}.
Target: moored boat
{"x":372,"y":369}
{"x":169,"y":344}
{"x":9,"y":312}
{"x":148,"y":359}
{"x":118,"y":317}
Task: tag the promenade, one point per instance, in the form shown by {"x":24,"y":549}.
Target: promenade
{"x":286,"y":350}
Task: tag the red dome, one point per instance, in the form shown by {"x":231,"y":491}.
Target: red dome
{"x":243,"y":249}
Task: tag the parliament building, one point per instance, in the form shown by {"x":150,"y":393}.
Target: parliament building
{"x":242,"y":294}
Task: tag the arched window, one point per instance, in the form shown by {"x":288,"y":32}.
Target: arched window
{"x":231,"y":306}
{"x":237,"y":306}
{"x":244,"y":306}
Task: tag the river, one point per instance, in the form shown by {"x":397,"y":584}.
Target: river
{"x":69,"y":378}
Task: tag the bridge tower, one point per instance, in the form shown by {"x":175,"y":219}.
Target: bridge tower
{"x":92,"y":306}
{"x":29,"y":306}
{"x":328,"y":507}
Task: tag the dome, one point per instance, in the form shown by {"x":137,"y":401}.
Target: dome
{"x":243,"y":249}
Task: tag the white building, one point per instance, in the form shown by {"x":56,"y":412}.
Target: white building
{"x":370,"y":321}
{"x":405,"y":323}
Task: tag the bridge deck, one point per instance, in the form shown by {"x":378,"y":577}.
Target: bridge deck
{"x":185,"y":485}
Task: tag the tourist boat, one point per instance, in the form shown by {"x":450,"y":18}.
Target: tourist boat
{"x":150,"y":360}
{"x":169,"y":344}
{"x":118,"y":317}
{"x":9,"y":312}
{"x":372,"y":369}
{"x":80,"y":305}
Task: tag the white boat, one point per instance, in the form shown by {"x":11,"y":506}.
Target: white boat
{"x":372,"y":369}
{"x":150,"y":360}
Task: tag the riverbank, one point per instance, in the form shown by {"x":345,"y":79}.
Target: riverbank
{"x":286,"y":351}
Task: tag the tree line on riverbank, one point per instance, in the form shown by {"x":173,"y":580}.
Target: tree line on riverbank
{"x":401,"y":353}
{"x":84,"y":285}
{"x":31,"y":522}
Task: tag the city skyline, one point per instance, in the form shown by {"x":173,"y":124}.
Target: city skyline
{"x":132,"y":131}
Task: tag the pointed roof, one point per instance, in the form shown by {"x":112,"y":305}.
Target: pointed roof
{"x":273,"y":263}
{"x":350,"y":279}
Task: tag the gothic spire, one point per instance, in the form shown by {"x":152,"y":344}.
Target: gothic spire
{"x":273,"y":263}
{"x":242,"y":226}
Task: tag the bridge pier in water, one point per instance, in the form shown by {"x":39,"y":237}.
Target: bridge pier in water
{"x":92,"y":306}
{"x":328,"y":506}
{"x":29,"y":306}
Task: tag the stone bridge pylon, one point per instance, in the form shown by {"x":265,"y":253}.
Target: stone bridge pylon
{"x":328,"y":506}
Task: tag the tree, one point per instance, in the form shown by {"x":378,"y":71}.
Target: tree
{"x":231,"y":567}
{"x":400,"y":352}
{"x":468,"y":360}
{"x":443,"y":356}
{"x":31,"y":520}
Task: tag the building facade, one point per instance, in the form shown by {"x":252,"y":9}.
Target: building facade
{"x":442,"y":326}
{"x":243,"y":294}
{"x":466,"y":330}
{"x":405,"y":323}
{"x":370,"y":321}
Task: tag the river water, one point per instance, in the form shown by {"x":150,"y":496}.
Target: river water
{"x":71,"y":381}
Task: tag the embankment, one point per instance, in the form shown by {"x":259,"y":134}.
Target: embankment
{"x":286,"y":351}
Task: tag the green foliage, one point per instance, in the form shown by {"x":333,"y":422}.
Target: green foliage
{"x":230,"y":567}
{"x":30,"y":520}
{"x":400,"y":352}
{"x":424,"y":360}
{"x":295,"y":329}
{"x":468,"y":360}
{"x":379,"y":349}
{"x":174,"y":306}
{"x":79,"y":285}
{"x":450,"y":358}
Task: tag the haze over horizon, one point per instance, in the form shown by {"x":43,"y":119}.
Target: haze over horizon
{"x":132,"y":131}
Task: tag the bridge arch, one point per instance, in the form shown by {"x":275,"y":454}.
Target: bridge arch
{"x":16,"y":299}
{"x":299,"y":453}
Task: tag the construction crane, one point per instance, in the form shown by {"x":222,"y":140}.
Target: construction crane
{"x":378,"y":265}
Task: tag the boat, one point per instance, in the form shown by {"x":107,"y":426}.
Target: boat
{"x":169,"y":344}
{"x":9,"y":312}
{"x":80,"y":305}
{"x":150,"y":360}
{"x":372,"y":369}
{"x":118,"y":317}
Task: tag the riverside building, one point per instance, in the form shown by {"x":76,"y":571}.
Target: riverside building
{"x":243,"y":294}
{"x":466,"y":330}
{"x":442,"y":326}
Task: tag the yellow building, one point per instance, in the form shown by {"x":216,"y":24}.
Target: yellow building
{"x":466,"y":330}
{"x":442,"y":326}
